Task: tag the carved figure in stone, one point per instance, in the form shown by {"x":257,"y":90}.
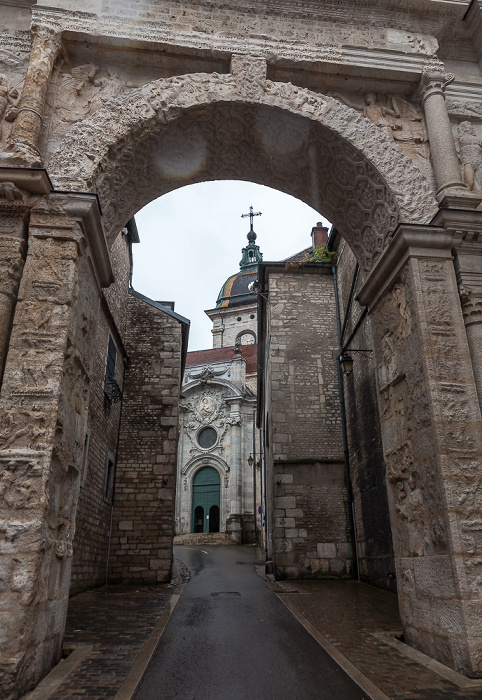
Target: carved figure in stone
{"x":469,"y":149}
{"x":398,"y":297}
{"x":409,"y":129}
{"x":374,"y":111}
{"x":8,"y":98}
{"x":206,"y":407}
{"x":83,"y":91}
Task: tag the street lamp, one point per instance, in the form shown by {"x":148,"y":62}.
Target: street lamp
{"x":250,"y":460}
{"x":346,"y":364}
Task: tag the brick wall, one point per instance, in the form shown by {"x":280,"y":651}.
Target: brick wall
{"x":141,"y":548}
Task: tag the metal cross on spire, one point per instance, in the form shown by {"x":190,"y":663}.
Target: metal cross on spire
{"x":251,"y":216}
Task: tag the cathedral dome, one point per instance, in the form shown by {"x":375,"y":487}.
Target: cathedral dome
{"x":235,"y":292}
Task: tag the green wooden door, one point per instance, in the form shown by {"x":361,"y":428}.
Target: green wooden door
{"x":206,"y":488}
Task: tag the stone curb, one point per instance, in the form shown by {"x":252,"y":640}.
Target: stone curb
{"x":357,"y":676}
{"x":58,"y":674}
{"x":129,"y":686}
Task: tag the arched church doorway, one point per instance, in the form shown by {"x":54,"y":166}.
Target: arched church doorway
{"x":206,"y":500}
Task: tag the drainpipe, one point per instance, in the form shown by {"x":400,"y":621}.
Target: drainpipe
{"x":346,"y":454}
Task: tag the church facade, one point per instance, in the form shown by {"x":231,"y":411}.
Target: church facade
{"x":219,"y":487}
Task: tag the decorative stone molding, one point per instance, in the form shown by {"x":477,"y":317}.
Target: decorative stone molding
{"x":110,"y":152}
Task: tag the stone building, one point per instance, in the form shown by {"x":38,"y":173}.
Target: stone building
{"x":371,"y":115}
{"x":299,"y":414}
{"x":218,"y":458}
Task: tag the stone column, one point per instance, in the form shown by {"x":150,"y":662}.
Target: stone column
{"x":43,"y":412}
{"x":432,"y":441}
{"x":442,"y":145}
{"x":24,"y":138}
{"x":14,"y":206}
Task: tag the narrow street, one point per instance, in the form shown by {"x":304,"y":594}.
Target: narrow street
{"x":231,"y":638}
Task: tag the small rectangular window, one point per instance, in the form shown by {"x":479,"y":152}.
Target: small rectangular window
{"x":109,"y":478}
{"x":111,"y":359}
{"x":83,"y":472}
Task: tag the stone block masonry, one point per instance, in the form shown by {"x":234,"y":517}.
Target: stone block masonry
{"x":312,"y":538}
{"x":310,"y":529}
{"x":143,"y":521}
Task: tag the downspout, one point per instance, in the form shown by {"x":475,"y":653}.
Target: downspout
{"x":346,"y":454}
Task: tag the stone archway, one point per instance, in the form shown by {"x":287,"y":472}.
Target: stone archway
{"x":182,"y":130}
{"x":197,"y":127}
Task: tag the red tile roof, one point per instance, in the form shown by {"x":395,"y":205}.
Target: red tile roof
{"x":203,"y":357}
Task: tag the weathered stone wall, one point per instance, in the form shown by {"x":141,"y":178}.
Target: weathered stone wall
{"x":93,"y":517}
{"x":304,"y":389}
{"x":143,"y":523}
{"x":309,"y":518}
{"x":312,"y":537}
{"x":367,"y":465}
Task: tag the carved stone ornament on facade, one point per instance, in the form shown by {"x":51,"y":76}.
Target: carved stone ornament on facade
{"x":158,"y":113}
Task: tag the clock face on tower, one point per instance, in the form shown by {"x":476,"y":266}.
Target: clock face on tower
{"x":247,"y":339}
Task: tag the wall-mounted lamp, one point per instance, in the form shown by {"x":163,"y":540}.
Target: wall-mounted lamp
{"x":346,"y":360}
{"x":346,"y":364}
{"x":250,"y":460}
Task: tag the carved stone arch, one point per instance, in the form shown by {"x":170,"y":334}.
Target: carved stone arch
{"x":195,"y":384}
{"x":192,"y":128}
{"x":201,"y":461}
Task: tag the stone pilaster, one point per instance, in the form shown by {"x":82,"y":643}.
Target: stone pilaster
{"x":432,"y":441}
{"x":14,"y":205}
{"x":23,"y":143}
{"x":43,"y":412}
{"x":234,"y":521}
{"x":466,"y":227}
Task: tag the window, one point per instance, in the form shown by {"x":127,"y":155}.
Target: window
{"x":111,"y":359}
{"x":83,"y":471}
{"x":109,"y":478}
{"x":207,"y":438}
{"x":112,"y":390}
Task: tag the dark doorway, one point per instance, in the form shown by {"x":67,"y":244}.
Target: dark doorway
{"x":198,"y":519}
{"x":214,"y":519}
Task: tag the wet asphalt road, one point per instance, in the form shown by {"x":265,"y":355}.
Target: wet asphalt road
{"x":231,"y":638}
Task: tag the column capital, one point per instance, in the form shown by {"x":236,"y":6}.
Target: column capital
{"x":434,"y":81}
{"x":82,"y":211}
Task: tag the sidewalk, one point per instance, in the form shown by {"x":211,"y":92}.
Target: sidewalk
{"x":115,"y":629}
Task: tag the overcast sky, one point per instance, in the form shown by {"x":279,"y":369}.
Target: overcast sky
{"x":191,"y":242}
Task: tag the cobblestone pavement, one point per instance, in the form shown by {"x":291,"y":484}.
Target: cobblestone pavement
{"x":348,"y":614}
{"x":117,"y":621}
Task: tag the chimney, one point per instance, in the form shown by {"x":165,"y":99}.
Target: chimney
{"x":319,"y":235}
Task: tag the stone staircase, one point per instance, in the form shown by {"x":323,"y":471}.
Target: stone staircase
{"x":203,"y":538}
